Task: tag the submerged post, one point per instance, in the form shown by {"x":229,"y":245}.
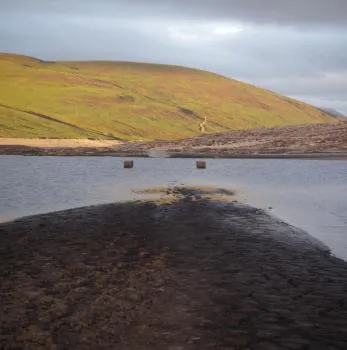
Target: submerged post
{"x":128,"y":164}
{"x":201,"y":164}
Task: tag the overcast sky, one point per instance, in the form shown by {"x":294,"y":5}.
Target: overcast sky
{"x":295,"y":47}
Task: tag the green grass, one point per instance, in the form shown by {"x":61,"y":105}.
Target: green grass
{"x":133,"y":101}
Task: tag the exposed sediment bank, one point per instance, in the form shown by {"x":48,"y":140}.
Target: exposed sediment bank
{"x":57,"y":143}
{"x":192,"y":270}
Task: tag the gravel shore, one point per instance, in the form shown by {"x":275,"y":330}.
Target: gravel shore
{"x":321,"y":141}
{"x":192,"y":270}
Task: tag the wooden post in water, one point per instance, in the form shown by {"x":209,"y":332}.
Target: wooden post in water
{"x":128,"y":164}
{"x":201,"y":164}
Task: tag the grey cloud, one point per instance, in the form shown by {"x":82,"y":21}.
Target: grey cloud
{"x":317,"y":12}
{"x":258,"y":11}
{"x":289,"y":52}
{"x":81,"y":39}
{"x":327,"y":86}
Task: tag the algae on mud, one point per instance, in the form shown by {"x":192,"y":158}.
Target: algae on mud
{"x":195,"y":273}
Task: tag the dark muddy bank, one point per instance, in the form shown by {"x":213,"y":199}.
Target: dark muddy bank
{"x":192,"y":271}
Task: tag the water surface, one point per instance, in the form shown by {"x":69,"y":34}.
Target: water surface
{"x":310,"y":194}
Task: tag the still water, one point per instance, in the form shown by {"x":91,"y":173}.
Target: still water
{"x":310,"y":194}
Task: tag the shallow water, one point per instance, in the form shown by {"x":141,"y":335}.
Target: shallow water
{"x":310,"y":194}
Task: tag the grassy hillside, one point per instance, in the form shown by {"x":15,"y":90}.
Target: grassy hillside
{"x":133,"y":101}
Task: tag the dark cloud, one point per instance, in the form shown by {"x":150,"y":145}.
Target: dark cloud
{"x":293,"y":47}
{"x":257,"y":11}
{"x":332,"y":12}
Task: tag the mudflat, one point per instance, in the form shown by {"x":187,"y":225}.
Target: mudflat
{"x":192,"y":270}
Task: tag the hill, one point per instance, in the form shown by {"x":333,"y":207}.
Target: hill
{"x":133,"y":101}
{"x":333,"y":112}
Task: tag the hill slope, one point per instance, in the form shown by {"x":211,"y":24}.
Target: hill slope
{"x":133,"y":101}
{"x":333,"y":112}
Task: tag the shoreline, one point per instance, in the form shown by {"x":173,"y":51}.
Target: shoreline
{"x":102,"y":152}
{"x":320,"y":141}
{"x":191,"y":270}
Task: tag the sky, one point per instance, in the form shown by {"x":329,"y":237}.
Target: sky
{"x":294,"y":47}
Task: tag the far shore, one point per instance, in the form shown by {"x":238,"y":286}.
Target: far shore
{"x":321,"y":141}
{"x":98,"y":149}
{"x":194,"y":269}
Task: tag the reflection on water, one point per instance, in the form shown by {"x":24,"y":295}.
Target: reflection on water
{"x":308,"y":194}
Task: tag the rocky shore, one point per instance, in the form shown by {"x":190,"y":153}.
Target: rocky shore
{"x":191,"y":270}
{"x":320,"y":141}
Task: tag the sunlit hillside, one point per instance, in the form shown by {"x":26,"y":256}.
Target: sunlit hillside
{"x":133,"y":101}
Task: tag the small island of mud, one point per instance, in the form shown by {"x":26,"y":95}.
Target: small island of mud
{"x":193,"y":269}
